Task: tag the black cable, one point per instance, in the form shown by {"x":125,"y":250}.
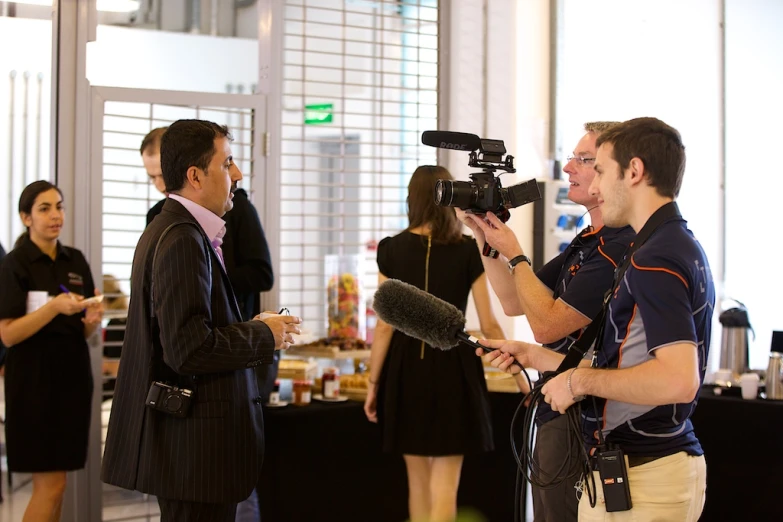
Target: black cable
{"x":575,"y":458}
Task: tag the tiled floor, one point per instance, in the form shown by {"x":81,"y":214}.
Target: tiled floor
{"x":118,"y":504}
{"x":13,"y":506}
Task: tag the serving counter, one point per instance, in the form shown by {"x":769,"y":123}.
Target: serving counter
{"x":324,"y":462}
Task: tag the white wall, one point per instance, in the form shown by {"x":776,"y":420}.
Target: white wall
{"x":651,"y":58}
{"x":476,"y":106}
{"x":532,"y":118}
{"x":148,"y":59}
{"x":754,"y":46}
{"x":34,"y":56}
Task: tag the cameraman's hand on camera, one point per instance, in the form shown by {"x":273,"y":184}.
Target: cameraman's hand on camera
{"x":466,"y":219}
{"x":283,"y":327}
{"x":497,"y":234}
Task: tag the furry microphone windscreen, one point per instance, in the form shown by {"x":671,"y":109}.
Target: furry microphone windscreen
{"x":418,"y":314}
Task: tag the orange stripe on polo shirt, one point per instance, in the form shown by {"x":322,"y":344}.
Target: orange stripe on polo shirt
{"x":655,"y":269}
{"x":607,"y":257}
{"x":593,"y":232}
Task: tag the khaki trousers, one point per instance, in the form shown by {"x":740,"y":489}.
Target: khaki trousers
{"x":668,"y":489}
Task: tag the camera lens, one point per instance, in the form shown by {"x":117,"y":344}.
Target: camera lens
{"x":461,"y":194}
{"x":173,"y":403}
{"x":443,"y":192}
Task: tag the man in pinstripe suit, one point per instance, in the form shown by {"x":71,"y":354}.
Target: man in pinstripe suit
{"x":184,"y":328}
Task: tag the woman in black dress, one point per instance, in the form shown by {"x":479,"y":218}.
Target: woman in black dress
{"x":432,"y":405}
{"x":44,"y":321}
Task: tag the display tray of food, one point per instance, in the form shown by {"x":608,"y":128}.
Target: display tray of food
{"x":332,"y":348}
{"x":354,"y":386}
{"x":296,"y":369}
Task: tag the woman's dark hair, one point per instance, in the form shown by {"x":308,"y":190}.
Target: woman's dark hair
{"x":27,"y":200}
{"x":185,"y":144}
{"x":422,"y":210}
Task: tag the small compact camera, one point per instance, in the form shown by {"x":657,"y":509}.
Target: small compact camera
{"x":169,"y":399}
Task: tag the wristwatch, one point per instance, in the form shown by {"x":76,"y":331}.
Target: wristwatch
{"x":515,"y":261}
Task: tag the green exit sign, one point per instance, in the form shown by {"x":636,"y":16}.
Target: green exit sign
{"x":318,"y":114}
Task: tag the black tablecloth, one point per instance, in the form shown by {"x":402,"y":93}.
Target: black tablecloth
{"x":323,"y":462}
{"x":742,"y":443}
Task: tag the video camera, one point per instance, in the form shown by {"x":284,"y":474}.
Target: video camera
{"x":483,"y":193}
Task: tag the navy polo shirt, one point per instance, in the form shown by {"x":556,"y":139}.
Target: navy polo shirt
{"x":581,"y":276}
{"x":665,"y":297}
{"x":583,"y":272}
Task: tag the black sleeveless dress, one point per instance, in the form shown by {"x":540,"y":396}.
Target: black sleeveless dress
{"x":433,"y":402}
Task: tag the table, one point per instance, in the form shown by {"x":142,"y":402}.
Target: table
{"x":324,"y":462}
{"x":742,"y":446}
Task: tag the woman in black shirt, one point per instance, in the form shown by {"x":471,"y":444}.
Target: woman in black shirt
{"x":48,"y":378}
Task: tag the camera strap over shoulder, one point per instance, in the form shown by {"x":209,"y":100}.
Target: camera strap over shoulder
{"x":594,"y":331}
{"x":160,"y":370}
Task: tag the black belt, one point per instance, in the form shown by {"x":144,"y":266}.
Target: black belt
{"x":633,"y":461}
{"x":636,"y":460}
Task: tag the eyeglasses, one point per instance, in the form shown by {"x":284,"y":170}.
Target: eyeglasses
{"x":580,"y":159}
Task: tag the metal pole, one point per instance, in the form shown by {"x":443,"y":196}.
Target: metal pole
{"x":11,"y":117}
{"x":25,"y":125}
{"x":213,"y":18}
{"x":38,"y":111}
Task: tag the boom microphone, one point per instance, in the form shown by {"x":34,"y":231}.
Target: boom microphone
{"x":451,"y":140}
{"x":422,"y":316}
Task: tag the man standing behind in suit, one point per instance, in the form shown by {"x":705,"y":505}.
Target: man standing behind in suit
{"x":184,"y":329}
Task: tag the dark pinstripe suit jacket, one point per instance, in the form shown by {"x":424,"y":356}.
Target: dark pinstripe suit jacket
{"x":215,"y":453}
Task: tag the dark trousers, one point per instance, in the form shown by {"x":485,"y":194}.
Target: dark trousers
{"x":560,"y":504}
{"x":181,"y":511}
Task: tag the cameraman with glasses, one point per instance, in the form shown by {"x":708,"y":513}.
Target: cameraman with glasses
{"x":559,"y":301}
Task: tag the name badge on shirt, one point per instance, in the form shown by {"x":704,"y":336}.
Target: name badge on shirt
{"x":75,"y":279}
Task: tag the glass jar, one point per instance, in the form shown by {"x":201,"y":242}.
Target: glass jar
{"x":346,"y":309}
{"x":330,"y":383}
{"x":274,"y":396}
{"x":301,"y":392}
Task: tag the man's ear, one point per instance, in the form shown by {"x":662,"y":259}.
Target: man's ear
{"x":635,"y":171}
{"x":194,"y":177}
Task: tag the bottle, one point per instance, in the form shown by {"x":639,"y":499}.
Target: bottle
{"x":330,"y":384}
{"x":774,"y":379}
{"x":274,"y":397}
{"x":302,"y":392}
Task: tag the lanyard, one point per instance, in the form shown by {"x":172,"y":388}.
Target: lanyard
{"x":594,"y":331}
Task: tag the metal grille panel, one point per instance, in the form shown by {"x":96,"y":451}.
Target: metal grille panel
{"x":344,"y":183}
